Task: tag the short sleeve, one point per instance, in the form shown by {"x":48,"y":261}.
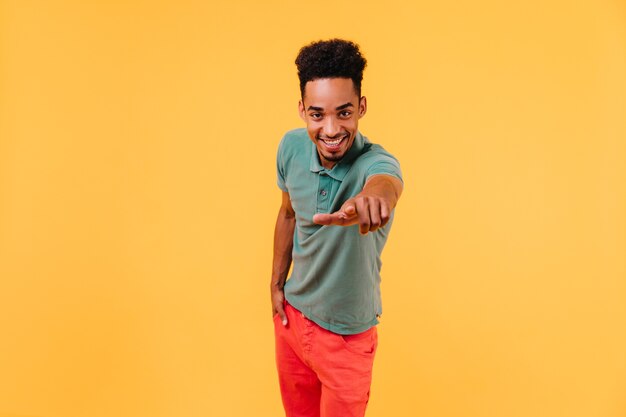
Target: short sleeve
{"x":280,"y":168}
{"x":385,"y":164}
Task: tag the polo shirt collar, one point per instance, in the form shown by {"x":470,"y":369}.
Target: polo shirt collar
{"x":342,"y":167}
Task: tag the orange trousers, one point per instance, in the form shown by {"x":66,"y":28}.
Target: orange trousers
{"x":321,"y":373}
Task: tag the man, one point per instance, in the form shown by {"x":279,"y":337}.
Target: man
{"x":339,"y":192}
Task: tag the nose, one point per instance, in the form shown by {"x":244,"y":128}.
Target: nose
{"x":331,"y":127}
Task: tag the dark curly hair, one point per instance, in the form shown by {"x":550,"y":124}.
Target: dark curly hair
{"x":334,"y":58}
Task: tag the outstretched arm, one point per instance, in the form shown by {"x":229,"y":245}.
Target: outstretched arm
{"x":371,"y":208}
{"x":283,"y":244}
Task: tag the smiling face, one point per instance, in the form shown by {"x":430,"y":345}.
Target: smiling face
{"x":331,"y":109}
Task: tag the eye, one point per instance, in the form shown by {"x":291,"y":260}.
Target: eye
{"x":315,"y":116}
{"x":345,"y":113}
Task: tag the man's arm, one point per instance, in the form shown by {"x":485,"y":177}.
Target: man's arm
{"x":371,"y":208}
{"x":283,"y":244}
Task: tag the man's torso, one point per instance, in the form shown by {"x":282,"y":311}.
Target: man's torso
{"x":335,"y":279}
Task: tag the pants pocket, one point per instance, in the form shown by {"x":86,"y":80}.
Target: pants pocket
{"x":363,"y":343}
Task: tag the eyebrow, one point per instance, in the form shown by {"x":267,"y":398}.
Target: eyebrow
{"x":343,"y":106}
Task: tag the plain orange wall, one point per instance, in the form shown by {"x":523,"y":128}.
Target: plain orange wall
{"x":138,"y":198}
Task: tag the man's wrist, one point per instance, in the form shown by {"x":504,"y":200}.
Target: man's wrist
{"x":277,"y":284}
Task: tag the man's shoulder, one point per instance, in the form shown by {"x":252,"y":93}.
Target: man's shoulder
{"x":294,"y":150}
{"x":377,"y":160}
{"x":374,"y":152}
{"x":294,"y":140}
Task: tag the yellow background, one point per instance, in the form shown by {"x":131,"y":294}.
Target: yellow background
{"x":138,"y":199}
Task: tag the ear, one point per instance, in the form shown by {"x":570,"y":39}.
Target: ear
{"x":362,"y":106}
{"x":301,"y":110}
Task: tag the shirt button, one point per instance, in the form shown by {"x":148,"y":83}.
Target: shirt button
{"x":323,"y":192}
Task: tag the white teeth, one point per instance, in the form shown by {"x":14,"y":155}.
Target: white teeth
{"x":333,"y":142}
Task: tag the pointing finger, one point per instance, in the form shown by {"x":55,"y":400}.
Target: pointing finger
{"x":323,"y":218}
{"x":338,"y":218}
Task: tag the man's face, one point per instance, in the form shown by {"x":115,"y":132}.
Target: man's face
{"x":331,"y":109}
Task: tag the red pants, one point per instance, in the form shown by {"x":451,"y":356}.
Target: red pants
{"x":321,"y":373}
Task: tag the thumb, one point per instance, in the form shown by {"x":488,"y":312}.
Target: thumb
{"x":281,"y":313}
{"x":349,"y":209}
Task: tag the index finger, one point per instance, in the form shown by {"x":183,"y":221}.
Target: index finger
{"x":338,"y":218}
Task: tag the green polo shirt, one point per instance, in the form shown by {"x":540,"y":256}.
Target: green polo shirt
{"x":335,"y":279}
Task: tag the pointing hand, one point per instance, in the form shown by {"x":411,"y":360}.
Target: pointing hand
{"x":369,"y":211}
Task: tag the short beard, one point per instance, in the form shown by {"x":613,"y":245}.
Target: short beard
{"x":333,"y":158}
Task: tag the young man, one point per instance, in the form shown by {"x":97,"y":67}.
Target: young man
{"x":339,"y":192}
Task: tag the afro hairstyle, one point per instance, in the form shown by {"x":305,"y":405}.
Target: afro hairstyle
{"x":334,"y":58}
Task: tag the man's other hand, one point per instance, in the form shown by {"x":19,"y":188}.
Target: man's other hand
{"x":278,"y":297}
